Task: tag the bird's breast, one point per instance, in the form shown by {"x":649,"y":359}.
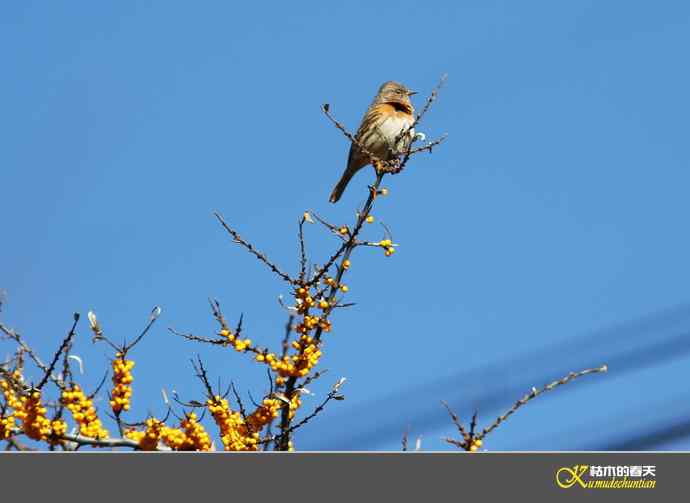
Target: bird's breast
{"x":387,"y":124}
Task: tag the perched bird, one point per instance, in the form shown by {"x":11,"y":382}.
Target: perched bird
{"x":389,"y":114}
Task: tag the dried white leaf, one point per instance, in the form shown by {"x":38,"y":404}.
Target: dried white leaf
{"x":284,"y":306}
{"x":281,"y":397}
{"x":93,"y":321}
{"x":340,"y":382}
{"x":155,"y":313}
{"x":79,"y":361}
{"x":165,"y":396}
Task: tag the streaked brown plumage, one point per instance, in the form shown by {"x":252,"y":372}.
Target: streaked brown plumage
{"x":389,"y":114}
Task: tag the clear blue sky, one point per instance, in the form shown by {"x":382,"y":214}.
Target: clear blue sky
{"x":556,"y":212}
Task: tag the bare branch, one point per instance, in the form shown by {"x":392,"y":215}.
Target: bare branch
{"x":49,"y":371}
{"x":535,"y":393}
{"x":155,"y":313}
{"x":302,"y":250}
{"x":456,"y":420}
{"x":24,"y":347}
{"x":236,"y":237}
{"x":326,"y":110}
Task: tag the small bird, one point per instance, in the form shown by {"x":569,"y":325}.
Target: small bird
{"x":389,"y":114}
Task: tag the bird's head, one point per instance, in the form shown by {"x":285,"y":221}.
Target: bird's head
{"x":395,"y":94}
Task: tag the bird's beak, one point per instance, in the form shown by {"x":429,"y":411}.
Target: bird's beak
{"x":411,"y":93}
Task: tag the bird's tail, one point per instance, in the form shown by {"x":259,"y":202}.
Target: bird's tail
{"x":341,"y":185}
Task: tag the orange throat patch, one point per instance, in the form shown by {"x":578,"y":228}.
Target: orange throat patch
{"x":400,"y":107}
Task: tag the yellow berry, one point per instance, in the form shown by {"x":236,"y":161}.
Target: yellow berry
{"x":370,"y":219}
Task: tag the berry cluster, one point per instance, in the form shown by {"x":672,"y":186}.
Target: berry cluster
{"x":121,"y":393}
{"x":83,"y":412}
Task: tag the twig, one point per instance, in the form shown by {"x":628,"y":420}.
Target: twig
{"x":429,"y":146}
{"x":48,"y":372}
{"x":334,"y":394}
{"x":286,"y":337}
{"x":239,"y":401}
{"x":456,"y":420}
{"x":302,"y":251}
{"x":409,"y":151}
{"x":203,"y":376}
{"x":429,"y":101}
{"x":26,"y":349}
{"x":98,"y":332}
{"x":253,"y":250}
{"x":329,"y":226}
{"x":326,"y":110}
{"x":98,"y":388}
{"x":155,"y":313}
{"x":191,"y":337}
{"x":321,"y":271}
{"x":535,"y":393}
{"x":313,"y":377}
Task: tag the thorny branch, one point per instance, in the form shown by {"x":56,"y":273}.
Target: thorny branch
{"x":65,"y":343}
{"x":334,"y":394}
{"x":155,"y":313}
{"x":302,"y":250}
{"x":536,"y":392}
{"x":12,"y":334}
{"x":471,"y":441}
{"x":236,"y":237}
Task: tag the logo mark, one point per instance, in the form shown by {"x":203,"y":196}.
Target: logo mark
{"x":567,"y":477}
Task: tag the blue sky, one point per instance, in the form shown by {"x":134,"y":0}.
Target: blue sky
{"x":556,"y":212}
